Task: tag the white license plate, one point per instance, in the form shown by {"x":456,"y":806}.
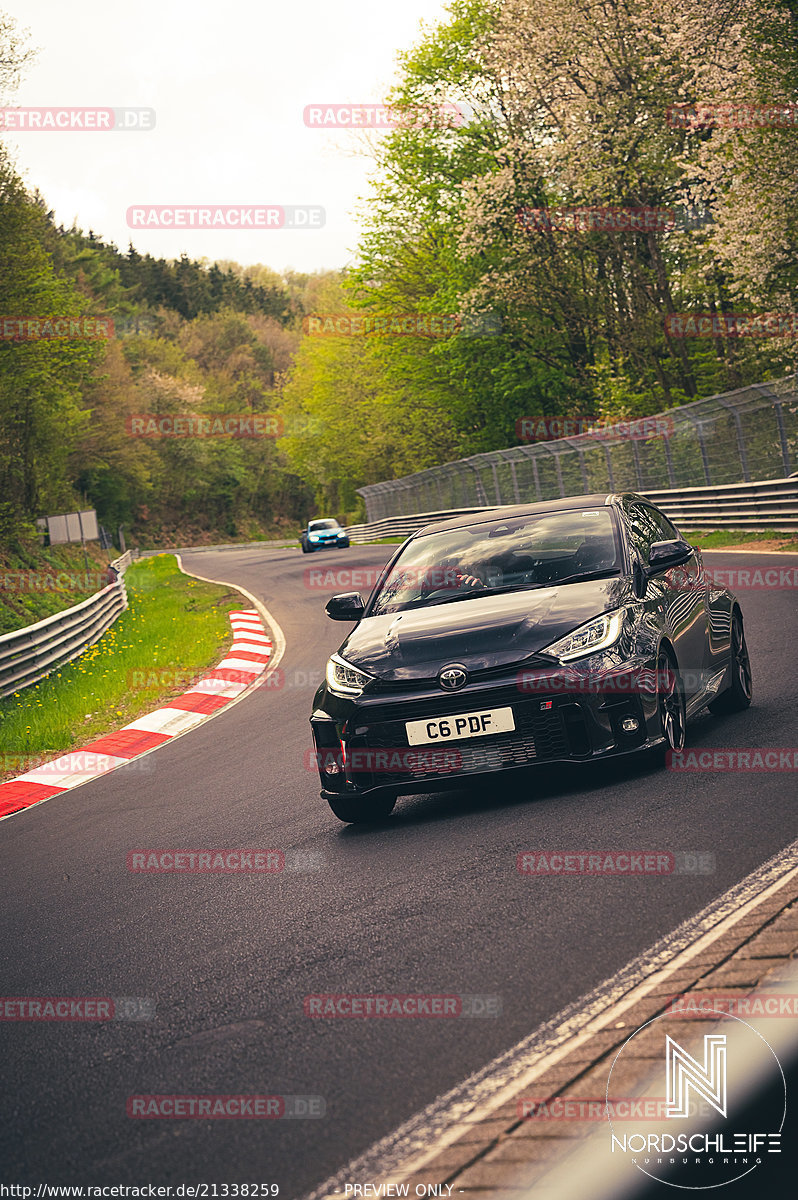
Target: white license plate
{"x":461,"y":725}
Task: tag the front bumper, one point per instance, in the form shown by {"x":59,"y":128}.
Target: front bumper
{"x":361,"y":745}
{"x":342,"y":542}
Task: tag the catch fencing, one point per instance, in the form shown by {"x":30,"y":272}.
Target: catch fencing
{"x":749,"y":436}
{"x":766,"y":504}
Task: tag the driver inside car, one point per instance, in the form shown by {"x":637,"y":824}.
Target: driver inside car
{"x":450,"y":575}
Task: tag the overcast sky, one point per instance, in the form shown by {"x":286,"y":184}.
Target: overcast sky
{"x":228,"y":83}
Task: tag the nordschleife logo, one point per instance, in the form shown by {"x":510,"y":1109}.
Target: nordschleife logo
{"x":717,"y":1094}
{"x":685,"y":1074}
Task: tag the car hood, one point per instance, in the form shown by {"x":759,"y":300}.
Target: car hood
{"x":481,"y":632}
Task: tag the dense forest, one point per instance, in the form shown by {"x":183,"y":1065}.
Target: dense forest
{"x":589,"y":105}
{"x":187,"y":338}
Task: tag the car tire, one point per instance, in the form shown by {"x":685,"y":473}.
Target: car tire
{"x":737,"y":696}
{"x":353,"y":810}
{"x":670,"y":706}
{"x":304,"y":548}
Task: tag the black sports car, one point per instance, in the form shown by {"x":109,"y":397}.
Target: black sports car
{"x":325,"y":531}
{"x":575,"y":630}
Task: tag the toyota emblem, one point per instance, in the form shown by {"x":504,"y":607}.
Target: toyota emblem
{"x":453,"y":677}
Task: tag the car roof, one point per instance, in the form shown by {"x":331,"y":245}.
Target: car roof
{"x":510,"y":512}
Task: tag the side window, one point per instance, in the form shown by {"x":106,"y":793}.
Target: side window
{"x":667,"y":532}
{"x":644,"y":528}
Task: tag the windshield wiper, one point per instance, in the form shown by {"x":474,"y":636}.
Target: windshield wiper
{"x":476,"y":593}
{"x":527,"y":587}
{"x":471,"y":594}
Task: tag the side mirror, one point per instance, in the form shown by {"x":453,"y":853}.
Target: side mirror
{"x":664,"y":555}
{"x":348,"y":606}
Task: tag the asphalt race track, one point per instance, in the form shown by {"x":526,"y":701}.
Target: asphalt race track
{"x":431,"y":902}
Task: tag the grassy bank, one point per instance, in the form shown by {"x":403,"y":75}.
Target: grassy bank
{"x":37,"y":581}
{"x":724,"y":539}
{"x":175,"y":628}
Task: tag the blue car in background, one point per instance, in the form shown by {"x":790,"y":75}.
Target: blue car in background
{"x":323,"y":532}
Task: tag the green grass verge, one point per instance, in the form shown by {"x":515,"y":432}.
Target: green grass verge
{"x":716,"y":539}
{"x":175,"y":628}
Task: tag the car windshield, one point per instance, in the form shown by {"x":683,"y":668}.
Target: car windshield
{"x":314,"y":526}
{"x":517,"y":554}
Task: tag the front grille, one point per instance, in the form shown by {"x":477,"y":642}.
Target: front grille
{"x":537,"y":736}
{"x":387,"y":687}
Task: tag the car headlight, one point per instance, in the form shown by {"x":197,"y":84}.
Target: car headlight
{"x":344,"y":679}
{"x":314,"y":537}
{"x":596,"y":635}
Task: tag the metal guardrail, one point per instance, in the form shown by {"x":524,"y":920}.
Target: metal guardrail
{"x":745,"y":435}
{"x":765,"y":504}
{"x":123,"y":562}
{"x":403,"y":526}
{"x":28,"y":654}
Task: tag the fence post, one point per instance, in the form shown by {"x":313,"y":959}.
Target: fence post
{"x":785,"y":447}
{"x":638,"y":469}
{"x":699,"y":426}
{"x":740,"y":439}
{"x":668,"y":460}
